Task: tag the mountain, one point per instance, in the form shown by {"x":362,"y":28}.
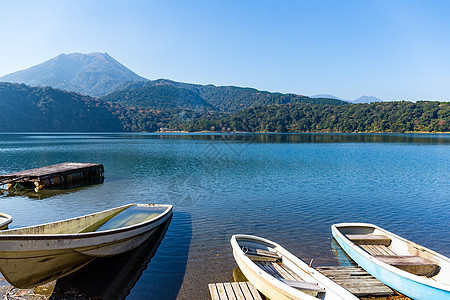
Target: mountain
{"x":327,"y":96}
{"x":225,"y":99}
{"x":44,"y":109}
{"x":100,"y":75}
{"x":366,"y":99}
{"x":94,"y":74}
{"x":362,"y":99}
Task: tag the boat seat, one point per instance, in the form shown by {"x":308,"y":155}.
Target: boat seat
{"x":304,"y":286}
{"x":413,"y":264}
{"x":369,"y":239}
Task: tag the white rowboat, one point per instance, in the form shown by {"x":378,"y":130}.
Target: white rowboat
{"x":35,"y":255}
{"x":5,"y":219}
{"x":280,"y":275}
{"x":407,"y":267}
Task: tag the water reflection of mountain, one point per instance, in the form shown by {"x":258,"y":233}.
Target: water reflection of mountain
{"x":417,"y":138}
{"x":110,"y":278}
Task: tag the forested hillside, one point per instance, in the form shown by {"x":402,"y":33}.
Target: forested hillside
{"x":33,"y":109}
{"x":159,"y":97}
{"x":28,"y":109}
{"x":375,"y":117}
{"x":221,"y":98}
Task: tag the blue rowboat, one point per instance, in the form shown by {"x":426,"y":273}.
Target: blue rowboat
{"x":407,"y":267}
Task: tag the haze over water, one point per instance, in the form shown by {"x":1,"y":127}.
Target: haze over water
{"x":287,"y":188}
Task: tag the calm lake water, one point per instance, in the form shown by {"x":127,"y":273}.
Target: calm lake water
{"x":287,"y":188}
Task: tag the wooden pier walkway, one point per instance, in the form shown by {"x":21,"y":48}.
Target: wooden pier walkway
{"x":55,"y":175}
{"x":234,"y":291}
{"x":355,"y":279}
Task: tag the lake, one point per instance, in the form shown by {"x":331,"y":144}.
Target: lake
{"x":289,"y":188}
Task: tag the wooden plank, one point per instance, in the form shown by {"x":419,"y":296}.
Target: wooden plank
{"x":273,"y":270}
{"x":55,"y":175}
{"x":264,"y":266}
{"x":296,"y":277}
{"x":386,"y":250}
{"x":371,"y":250}
{"x":414,"y":264}
{"x":254,"y":292}
{"x":237,"y":291}
{"x":233,"y":291}
{"x":375,"y":249}
{"x":53,"y":169}
{"x":260,"y":255}
{"x":213,"y":291}
{"x":229,"y":291}
{"x":369,"y":239}
{"x":9,"y":179}
{"x":245,"y":290}
{"x":282,"y":271}
{"x":305,"y":286}
{"x":337,"y":272}
{"x":356,"y":280}
{"x":348,"y":269}
{"x":221,"y":291}
{"x":260,"y":252}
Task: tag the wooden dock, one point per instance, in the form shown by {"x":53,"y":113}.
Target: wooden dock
{"x":60,"y":175}
{"x":357,"y":281}
{"x":234,"y":291}
{"x":353,"y":278}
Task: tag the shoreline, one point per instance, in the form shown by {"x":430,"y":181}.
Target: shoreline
{"x":303,"y":132}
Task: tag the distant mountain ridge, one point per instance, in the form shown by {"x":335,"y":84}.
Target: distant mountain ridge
{"x":327,"y":96}
{"x":100,"y":75}
{"x":367,"y":99}
{"x":362,"y":99}
{"x":220,"y":98}
{"x":93,"y":74}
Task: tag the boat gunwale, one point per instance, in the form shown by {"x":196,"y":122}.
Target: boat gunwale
{"x":388,"y":267}
{"x":168,"y":209}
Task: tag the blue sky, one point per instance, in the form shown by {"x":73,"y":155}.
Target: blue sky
{"x":394,"y":50}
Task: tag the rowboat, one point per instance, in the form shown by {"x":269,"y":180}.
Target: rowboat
{"x":114,"y":276}
{"x":279,"y":274}
{"x":407,"y":267}
{"x":35,"y":255}
{"x":5,"y":219}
